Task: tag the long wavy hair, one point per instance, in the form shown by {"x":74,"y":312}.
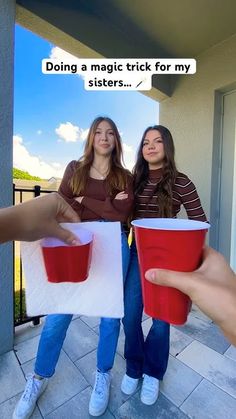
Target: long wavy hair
{"x":117,"y":176}
{"x":164,"y":188}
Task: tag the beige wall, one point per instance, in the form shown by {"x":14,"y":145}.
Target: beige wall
{"x":189,"y":113}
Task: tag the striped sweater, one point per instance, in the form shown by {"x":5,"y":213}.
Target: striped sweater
{"x":184,"y":193}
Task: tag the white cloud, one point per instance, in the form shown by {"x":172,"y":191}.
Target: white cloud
{"x":84,"y":134}
{"x":39,"y":132}
{"x":127,"y":148}
{"x":71,"y":133}
{"x":56,"y":165}
{"x":68,"y":132}
{"x":129,"y":156}
{"x":59,"y":54}
{"x":34,"y":165}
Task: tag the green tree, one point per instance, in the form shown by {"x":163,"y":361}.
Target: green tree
{"x":20,"y":174}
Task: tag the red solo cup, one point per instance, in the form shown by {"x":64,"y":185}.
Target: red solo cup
{"x":168,"y":243}
{"x":65,"y":263}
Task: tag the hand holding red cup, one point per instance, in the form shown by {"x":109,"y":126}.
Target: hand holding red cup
{"x":168,"y":243}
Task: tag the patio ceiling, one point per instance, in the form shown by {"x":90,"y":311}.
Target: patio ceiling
{"x":125,"y":28}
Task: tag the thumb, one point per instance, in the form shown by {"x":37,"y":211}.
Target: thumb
{"x":65,"y":235}
{"x":180,"y":280}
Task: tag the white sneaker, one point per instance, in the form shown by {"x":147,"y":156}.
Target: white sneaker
{"x":150,"y":389}
{"x":129,"y":385}
{"x":100,"y":394}
{"x":33,"y":390}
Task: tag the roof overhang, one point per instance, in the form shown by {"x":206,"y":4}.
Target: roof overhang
{"x":131,"y":29}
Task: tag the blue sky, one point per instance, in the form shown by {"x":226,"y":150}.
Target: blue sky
{"x":53,"y":112}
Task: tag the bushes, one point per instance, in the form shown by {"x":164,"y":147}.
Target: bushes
{"x":17,"y":293}
{"x":20,"y":174}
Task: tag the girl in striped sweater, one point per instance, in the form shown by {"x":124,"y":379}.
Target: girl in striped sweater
{"x":159,"y":191}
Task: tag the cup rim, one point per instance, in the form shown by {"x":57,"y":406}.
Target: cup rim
{"x":85,"y":236}
{"x":171,"y":224}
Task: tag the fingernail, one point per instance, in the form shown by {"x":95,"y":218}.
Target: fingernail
{"x":74,"y":242}
{"x":150,"y":275}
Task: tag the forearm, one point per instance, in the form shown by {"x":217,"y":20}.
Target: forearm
{"x":12,"y":223}
{"x":124,"y":208}
{"x":191,"y":202}
{"x":105,"y":209}
{"x":71,"y":201}
{"x":37,"y":218}
{"x":117,"y":208}
{"x":228,"y":320}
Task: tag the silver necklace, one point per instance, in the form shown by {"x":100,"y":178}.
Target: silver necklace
{"x":102,"y":175}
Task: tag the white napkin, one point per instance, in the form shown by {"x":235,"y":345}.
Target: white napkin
{"x":100,"y":295}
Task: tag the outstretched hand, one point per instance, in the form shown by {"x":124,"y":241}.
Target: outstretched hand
{"x":38,"y":218}
{"x":212,"y":288}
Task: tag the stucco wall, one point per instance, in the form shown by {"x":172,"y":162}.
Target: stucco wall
{"x":189,"y":113}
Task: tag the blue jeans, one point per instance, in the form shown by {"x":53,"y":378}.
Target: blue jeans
{"x":56,"y":325}
{"x":148,"y":356}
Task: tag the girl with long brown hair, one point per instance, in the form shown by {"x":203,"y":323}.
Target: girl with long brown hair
{"x":159,"y":191}
{"x":99,"y":189}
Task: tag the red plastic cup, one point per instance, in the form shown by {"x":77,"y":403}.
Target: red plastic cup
{"x":65,"y":263}
{"x":168,"y":243}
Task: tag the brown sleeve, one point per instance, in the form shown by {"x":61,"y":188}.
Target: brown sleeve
{"x":65,"y":189}
{"x":112,"y":209}
{"x":190,"y":199}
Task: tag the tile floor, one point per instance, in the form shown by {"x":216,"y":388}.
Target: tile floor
{"x":200,"y":382}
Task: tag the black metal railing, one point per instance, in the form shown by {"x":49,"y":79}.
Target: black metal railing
{"x":20,"y":317}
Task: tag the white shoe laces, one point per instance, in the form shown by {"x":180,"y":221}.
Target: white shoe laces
{"x":30,"y":389}
{"x":101,"y":384}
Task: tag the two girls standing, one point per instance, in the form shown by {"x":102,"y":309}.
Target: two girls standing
{"x":100,"y":189}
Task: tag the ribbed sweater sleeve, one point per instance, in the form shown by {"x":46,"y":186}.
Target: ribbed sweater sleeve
{"x":111,"y":208}
{"x":188,"y":196}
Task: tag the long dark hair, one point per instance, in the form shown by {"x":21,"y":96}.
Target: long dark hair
{"x":164,"y":188}
{"x":117,"y":176}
